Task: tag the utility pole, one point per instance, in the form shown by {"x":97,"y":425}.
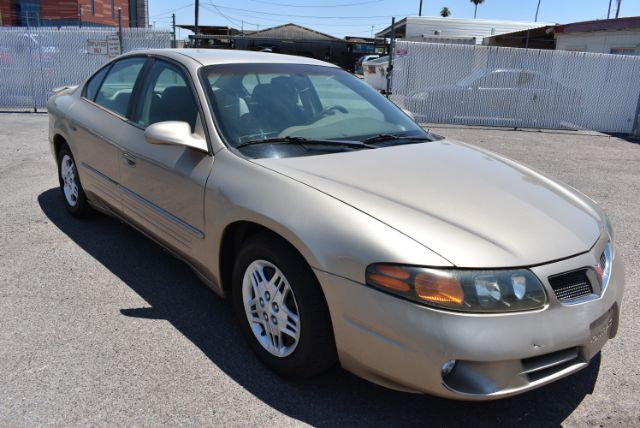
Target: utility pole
{"x":609,"y":10}
{"x":420,"y":10}
{"x":526,"y":44}
{"x":618,"y":9}
{"x":80,"y":15}
{"x":173,"y":30}
{"x":196,"y":29}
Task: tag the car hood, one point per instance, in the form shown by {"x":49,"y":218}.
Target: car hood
{"x":472,"y":207}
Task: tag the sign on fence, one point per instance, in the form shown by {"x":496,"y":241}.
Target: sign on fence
{"x":97,"y":47}
{"x":113,"y":46}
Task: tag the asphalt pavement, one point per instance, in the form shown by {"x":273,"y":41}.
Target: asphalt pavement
{"x":99,"y":326}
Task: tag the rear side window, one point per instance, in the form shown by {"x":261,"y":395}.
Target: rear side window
{"x":94,"y":84}
{"x":116,"y":89}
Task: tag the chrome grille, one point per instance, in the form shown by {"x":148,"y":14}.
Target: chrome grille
{"x":571,"y":285}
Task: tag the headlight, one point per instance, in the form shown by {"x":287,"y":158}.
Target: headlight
{"x":460,"y":290}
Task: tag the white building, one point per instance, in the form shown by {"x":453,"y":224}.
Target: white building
{"x":610,"y":36}
{"x":453,"y":30}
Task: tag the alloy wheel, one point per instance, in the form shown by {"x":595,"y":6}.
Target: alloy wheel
{"x":68,"y":176}
{"x":271,"y":308}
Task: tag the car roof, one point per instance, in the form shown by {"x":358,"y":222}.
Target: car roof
{"x":227,"y":56}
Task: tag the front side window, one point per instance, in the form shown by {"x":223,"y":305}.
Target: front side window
{"x":117,"y":87}
{"x":255,"y":102}
{"x":166,"y":96}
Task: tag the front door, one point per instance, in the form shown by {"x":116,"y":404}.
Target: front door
{"x":163,"y":185}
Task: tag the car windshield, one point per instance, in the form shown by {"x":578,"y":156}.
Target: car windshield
{"x":257,"y":106}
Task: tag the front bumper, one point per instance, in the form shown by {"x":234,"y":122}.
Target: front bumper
{"x":402,"y":345}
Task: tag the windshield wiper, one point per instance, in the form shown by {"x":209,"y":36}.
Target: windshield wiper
{"x":302,"y":140}
{"x":381,"y":138}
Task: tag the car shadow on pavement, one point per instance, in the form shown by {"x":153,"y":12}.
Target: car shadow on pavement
{"x":174,"y":293}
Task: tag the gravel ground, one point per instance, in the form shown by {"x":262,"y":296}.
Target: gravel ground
{"x":99,"y":326}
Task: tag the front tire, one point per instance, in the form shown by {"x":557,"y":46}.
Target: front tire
{"x":281,"y":308}
{"x":73,"y":194}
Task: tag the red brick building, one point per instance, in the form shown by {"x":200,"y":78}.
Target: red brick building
{"x":89,"y":13}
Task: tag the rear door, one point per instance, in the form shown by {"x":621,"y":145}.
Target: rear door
{"x":163,"y":185}
{"x":97,"y":125}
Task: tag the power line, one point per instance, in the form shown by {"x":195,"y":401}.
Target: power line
{"x":229,"y":19}
{"x":308,"y":16}
{"x":169,"y":12}
{"x":242,"y":17}
{"x":318,"y":6}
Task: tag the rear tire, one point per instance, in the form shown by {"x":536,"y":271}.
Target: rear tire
{"x":290,"y":328}
{"x":73,"y":194}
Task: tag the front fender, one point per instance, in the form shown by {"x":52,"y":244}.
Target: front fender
{"x":331,"y":235}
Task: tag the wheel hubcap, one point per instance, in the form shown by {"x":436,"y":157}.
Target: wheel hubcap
{"x":68,"y":176}
{"x":271,"y":308}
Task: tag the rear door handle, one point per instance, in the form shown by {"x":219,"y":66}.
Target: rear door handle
{"x":129,"y":159}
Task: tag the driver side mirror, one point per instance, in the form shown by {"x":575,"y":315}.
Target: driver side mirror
{"x":174,"y":133}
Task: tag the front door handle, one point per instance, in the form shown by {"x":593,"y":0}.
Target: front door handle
{"x":129,"y":160}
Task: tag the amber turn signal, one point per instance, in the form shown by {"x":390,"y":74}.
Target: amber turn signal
{"x":388,"y":282}
{"x":439,"y":288}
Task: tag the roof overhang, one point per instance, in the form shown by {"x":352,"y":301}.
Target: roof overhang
{"x":629,"y":23}
{"x":400,"y":29}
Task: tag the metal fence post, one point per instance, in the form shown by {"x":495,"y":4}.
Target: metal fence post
{"x":391,"y":48}
{"x":173,"y":31}
{"x":31,"y":67}
{"x":120,"y":30}
{"x":636,"y":122}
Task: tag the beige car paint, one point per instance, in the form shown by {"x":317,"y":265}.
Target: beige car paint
{"x":435,"y":204}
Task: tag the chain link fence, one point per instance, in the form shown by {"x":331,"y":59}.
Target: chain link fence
{"x":33,"y":61}
{"x":480,"y":85}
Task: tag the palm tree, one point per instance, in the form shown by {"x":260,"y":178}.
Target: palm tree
{"x":445,"y":12}
{"x":476,"y":2}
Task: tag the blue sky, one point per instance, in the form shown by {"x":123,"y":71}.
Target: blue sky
{"x":356,"y":17}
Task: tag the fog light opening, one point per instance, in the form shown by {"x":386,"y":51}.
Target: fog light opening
{"x":448,"y":367}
